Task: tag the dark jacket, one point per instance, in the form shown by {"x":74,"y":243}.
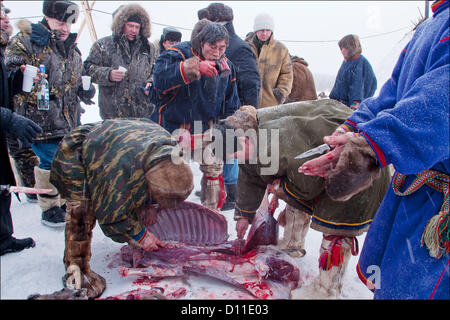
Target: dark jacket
{"x":244,"y":61}
{"x":6,"y":173}
{"x":63,"y":65}
{"x":125,"y":98}
{"x":355,"y":81}
{"x":178,"y":102}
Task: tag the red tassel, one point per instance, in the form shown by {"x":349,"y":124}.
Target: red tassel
{"x":333,"y":256}
{"x":222,"y":193}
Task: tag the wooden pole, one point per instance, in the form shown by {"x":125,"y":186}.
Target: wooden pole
{"x":88,"y":19}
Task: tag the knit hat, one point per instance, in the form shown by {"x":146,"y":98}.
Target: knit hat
{"x":216,"y":12}
{"x":61,"y":10}
{"x":263,"y":21}
{"x":4,"y":9}
{"x":134,"y":18}
{"x":171,"y":34}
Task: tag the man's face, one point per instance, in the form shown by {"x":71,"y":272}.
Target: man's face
{"x":4,"y":21}
{"x":168,"y":43}
{"x":263,"y":35}
{"x":131,"y":30}
{"x":62,"y":27}
{"x":214,"y":51}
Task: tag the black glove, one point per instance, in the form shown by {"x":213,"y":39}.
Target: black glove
{"x":87,"y":95}
{"x":19,"y":127}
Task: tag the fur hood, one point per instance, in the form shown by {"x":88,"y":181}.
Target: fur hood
{"x":122,"y":15}
{"x":24,"y":25}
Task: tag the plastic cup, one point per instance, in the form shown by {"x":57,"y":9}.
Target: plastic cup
{"x":86,"y":82}
{"x":123,"y":69}
{"x":28,"y":75}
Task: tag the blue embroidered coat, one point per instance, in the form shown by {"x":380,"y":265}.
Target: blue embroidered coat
{"x":180,"y":102}
{"x":407,"y":125}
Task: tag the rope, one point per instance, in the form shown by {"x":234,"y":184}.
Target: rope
{"x":436,"y":235}
{"x":288,"y":41}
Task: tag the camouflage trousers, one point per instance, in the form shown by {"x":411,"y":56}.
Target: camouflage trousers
{"x":24,"y":161}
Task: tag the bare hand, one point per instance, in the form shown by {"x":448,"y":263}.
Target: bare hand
{"x":208,"y":68}
{"x":241,"y":227}
{"x":282,"y":218}
{"x":151,"y":242}
{"x":38,"y":76}
{"x":116,"y":75}
{"x":322,"y":165}
{"x":247,"y":150}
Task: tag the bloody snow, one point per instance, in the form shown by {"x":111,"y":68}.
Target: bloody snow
{"x":40,"y":269}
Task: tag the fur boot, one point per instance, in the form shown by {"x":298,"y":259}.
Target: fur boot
{"x":77,"y":253}
{"x":295,"y":230}
{"x":335,"y":253}
{"x":46,"y":201}
{"x":355,"y":171}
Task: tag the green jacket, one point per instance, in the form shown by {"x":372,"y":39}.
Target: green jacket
{"x":105,"y":162}
{"x":302,"y":126}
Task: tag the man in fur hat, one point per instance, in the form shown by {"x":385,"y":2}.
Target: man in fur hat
{"x":355,"y":80}
{"x":120,"y":92}
{"x":274,"y":62}
{"x":50,"y":43}
{"x":190,"y":93}
{"x":117,"y":172}
{"x":300,"y":127}
{"x":170,"y":36}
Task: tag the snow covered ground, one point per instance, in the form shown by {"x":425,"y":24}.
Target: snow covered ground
{"x":40,"y":269}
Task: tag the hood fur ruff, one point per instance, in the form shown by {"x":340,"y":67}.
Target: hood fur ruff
{"x":127,"y":11}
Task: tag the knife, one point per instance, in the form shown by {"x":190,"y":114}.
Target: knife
{"x":317,"y":150}
{"x":15,"y":189}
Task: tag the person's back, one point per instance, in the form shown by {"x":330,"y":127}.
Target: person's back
{"x":303,"y":86}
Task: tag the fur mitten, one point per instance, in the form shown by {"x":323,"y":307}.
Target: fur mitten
{"x":355,"y":170}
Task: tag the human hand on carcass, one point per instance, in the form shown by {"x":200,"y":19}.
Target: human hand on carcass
{"x":150,"y":242}
{"x":241,"y":227}
{"x":274,"y":188}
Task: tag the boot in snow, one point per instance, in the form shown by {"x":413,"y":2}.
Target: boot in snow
{"x":295,"y":229}
{"x":335,"y":253}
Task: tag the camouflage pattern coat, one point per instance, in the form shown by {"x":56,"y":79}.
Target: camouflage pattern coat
{"x":125,"y":98}
{"x":39,"y":45}
{"x":105,"y":162}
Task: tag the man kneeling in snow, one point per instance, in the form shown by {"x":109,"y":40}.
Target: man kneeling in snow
{"x":300,"y":126}
{"x":117,"y":172}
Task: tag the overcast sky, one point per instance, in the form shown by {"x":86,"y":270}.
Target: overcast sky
{"x":310,"y":29}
